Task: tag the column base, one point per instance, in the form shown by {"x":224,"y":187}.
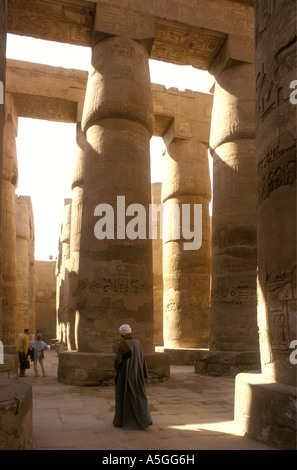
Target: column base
{"x":266,"y":411}
{"x":226,"y":363}
{"x":85,"y":369}
{"x":181,"y":356}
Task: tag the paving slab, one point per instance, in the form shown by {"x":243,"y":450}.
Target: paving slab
{"x":189,"y":412}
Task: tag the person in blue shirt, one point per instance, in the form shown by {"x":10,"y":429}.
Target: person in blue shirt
{"x":38,"y":347}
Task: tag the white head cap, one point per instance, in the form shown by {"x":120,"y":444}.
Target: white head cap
{"x":125,"y":329}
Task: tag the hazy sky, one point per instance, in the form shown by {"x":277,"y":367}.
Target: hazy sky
{"x":46,"y":149}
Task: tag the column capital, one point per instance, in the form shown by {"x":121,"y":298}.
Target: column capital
{"x":180,"y":129}
{"x":111,"y":20}
{"x":236,"y":50}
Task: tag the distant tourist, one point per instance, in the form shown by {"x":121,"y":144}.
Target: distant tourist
{"x":131,"y":406}
{"x":38,"y":347}
{"x":22,"y":349}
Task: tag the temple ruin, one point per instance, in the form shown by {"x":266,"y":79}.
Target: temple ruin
{"x":228,"y":307}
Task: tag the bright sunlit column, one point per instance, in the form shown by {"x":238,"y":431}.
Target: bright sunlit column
{"x":233,"y":325}
{"x":186,"y":254}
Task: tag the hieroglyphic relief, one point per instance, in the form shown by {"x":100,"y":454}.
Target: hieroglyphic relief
{"x":278,"y":168}
{"x":182,"y":45}
{"x":235,"y":295}
{"x":73,"y":21}
{"x":265,"y":10}
{"x":279,"y":294}
{"x":115,"y":285}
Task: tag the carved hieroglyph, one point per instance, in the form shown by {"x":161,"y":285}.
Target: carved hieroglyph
{"x":276,"y":186}
{"x":233,"y":324}
{"x":115,"y":275}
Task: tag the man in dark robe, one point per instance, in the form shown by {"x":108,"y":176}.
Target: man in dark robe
{"x":131,"y":405}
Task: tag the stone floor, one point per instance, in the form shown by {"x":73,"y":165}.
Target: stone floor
{"x":189,"y":412}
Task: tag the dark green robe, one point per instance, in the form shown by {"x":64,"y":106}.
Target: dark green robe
{"x":131,"y":405}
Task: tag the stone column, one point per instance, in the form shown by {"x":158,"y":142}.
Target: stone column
{"x":115,"y":270}
{"x":63,"y":277}
{"x":115,"y":278}
{"x":158,"y":269}
{"x":9,"y":266}
{"x":32,"y":267}
{"x":77,"y":185}
{"x":23,"y":269}
{"x":270,"y":397}
{"x":186,"y":269}
{"x":3,"y":10}
{"x":234,"y":344}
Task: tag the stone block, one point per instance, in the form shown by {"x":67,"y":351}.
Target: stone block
{"x":16,"y":427}
{"x":266,"y":411}
{"x":228,"y":363}
{"x":85,"y":369}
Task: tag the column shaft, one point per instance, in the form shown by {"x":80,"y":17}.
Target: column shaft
{"x":76,"y":221}
{"x":158,"y":269}
{"x":276,"y":187}
{"x":233,"y":325}
{"x":23,"y":281}
{"x":265,"y":403}
{"x":115,"y":275}
{"x":186,"y":272}
{"x":3,"y":10}
{"x":9,"y":260}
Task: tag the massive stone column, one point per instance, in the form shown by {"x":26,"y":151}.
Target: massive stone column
{"x":115,"y":275}
{"x":23,"y":265}
{"x":157,"y":267}
{"x":186,"y":256}
{"x":270,"y":397}
{"x":63,"y":273}
{"x":233,"y":307}
{"x":9,"y":261}
{"x":77,"y":185}
{"x":3,"y":9}
{"x":234,"y":344}
{"x":115,"y":261}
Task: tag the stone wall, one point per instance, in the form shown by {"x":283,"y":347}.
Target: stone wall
{"x":46,"y":299}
